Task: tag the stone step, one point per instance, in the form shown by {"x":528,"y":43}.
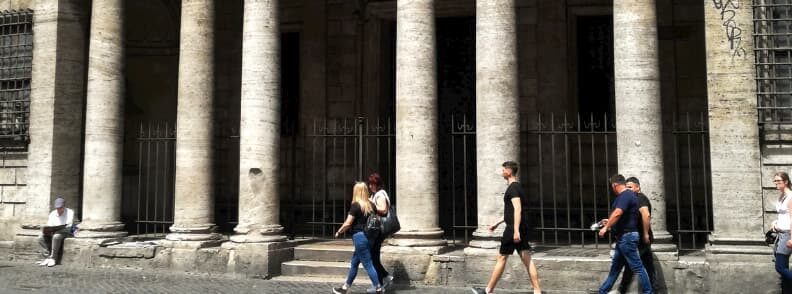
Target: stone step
{"x":337,"y":253}
{"x":312,"y":268}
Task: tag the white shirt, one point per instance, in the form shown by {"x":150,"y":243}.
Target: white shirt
{"x":67,"y":218}
{"x":782,"y":207}
{"x":380,"y":193}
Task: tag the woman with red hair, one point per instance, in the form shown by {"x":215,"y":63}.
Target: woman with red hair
{"x":382,"y":202}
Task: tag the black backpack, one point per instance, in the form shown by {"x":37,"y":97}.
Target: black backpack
{"x":373,"y":225}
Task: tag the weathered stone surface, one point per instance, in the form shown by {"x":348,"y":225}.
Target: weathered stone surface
{"x":13,"y":194}
{"x":56,"y":103}
{"x":639,"y":120}
{"x":194,"y":200}
{"x":497,"y":110}
{"x":259,"y":168}
{"x":7,"y":176}
{"x":416,"y":124}
{"x":733,"y":135}
{"x":104,"y":122}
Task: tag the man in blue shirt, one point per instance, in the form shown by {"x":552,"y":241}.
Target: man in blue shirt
{"x":623,"y":222}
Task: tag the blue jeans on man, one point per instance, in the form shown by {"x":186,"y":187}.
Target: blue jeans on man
{"x":362,"y":254}
{"x":627,"y":251}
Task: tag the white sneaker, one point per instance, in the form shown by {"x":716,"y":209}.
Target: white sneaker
{"x":50,"y":262}
{"x":43,"y":262}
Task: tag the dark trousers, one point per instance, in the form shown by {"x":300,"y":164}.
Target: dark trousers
{"x":782,"y":267}
{"x":648,"y":263}
{"x":376,"y":252}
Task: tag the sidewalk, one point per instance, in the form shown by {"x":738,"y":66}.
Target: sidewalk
{"x":18,"y":277}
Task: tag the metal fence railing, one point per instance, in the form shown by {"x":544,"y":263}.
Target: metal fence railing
{"x":16,"y":56}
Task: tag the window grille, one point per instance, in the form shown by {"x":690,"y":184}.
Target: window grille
{"x":16,"y":56}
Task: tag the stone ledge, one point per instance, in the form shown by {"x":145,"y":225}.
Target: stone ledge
{"x":127,"y":251}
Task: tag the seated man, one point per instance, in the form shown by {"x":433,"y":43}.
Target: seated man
{"x":59,"y":226}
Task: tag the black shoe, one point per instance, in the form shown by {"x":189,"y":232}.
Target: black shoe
{"x":340,"y":290}
{"x":478,"y":290}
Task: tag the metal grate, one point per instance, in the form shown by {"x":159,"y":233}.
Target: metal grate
{"x":16,"y":56}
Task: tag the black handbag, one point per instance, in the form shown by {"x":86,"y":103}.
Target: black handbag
{"x":390,"y":222}
{"x":770,"y":237}
{"x":373,"y":227}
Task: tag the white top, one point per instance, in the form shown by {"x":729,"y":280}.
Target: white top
{"x":782,"y":207}
{"x":380,"y":193}
{"x":67,"y":218}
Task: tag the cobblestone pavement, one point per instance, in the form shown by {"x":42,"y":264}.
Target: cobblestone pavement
{"x":18,"y":277}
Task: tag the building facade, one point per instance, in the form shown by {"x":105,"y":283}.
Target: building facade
{"x":227,"y":132}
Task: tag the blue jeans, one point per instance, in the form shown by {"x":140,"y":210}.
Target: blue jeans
{"x":627,"y":250}
{"x":362,"y":254}
{"x":782,"y":267}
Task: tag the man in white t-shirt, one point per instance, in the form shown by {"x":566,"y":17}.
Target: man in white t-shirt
{"x":59,"y":226}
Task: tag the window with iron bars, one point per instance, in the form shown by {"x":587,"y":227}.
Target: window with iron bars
{"x":16,"y":56}
{"x":773,"y":47}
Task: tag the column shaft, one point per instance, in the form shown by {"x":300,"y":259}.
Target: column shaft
{"x":194,"y":203}
{"x":416,"y":124}
{"x":259,"y":145}
{"x":497,"y":111}
{"x":639,"y":124}
{"x":734,"y":134}
{"x":104,"y":125}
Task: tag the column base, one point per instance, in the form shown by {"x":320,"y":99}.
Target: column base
{"x":419,"y":238}
{"x":485,"y":239}
{"x":193,"y":232}
{"x":100,"y":230}
{"x":258,"y":234}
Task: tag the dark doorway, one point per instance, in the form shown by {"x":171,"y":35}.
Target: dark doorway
{"x":595,"y":88}
{"x":456,"y":90}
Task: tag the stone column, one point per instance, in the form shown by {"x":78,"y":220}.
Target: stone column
{"x":497,"y":112}
{"x":194,"y":204}
{"x":737,"y":249}
{"x":259,"y":142}
{"x":56,"y":103}
{"x":416,"y":125}
{"x":639,"y":123}
{"x":104,"y":124}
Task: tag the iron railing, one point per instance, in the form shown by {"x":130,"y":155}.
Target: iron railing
{"x":149,"y":204}
{"x":773,"y":47}
{"x":338,"y":152}
{"x":459,"y":185}
{"x":567,"y":161}
{"x":16,"y":56}
{"x":690,"y":209}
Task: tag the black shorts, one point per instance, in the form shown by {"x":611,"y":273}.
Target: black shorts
{"x":508,"y":246}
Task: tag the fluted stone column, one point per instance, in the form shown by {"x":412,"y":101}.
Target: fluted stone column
{"x":194,"y":204}
{"x":259,"y":143}
{"x":416,"y":125}
{"x":497,"y":112}
{"x":104,"y":124}
{"x":639,"y":124}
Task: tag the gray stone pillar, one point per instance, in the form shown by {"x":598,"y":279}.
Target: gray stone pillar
{"x":194,"y":204}
{"x":104,"y":125}
{"x":416,"y":125}
{"x":259,"y":142}
{"x":497,"y":112}
{"x":639,"y":123}
{"x":56,"y":103}
{"x":736,"y":244}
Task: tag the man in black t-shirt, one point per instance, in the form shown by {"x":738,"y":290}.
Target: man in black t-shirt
{"x":515,"y":236}
{"x":645,"y":228}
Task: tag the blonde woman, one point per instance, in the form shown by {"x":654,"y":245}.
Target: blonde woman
{"x":359,"y":212}
{"x":783,"y":245}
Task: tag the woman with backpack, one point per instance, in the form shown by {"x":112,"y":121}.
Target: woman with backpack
{"x":359,"y":212}
{"x":382,"y":203}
